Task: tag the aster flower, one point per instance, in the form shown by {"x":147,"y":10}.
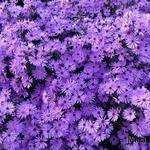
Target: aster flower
{"x":26,"y":81}
{"x":132,"y":42}
{"x":113,"y":114}
{"x":15,"y":66}
{"x":59,"y":128}
{"x":79,"y":97}
{"x":123,"y":135}
{"x":97,"y":56}
{"x":56,"y":144}
{"x":69,"y":87}
{"x":14,"y":126}
{"x":124,"y":97}
{"x":129,"y":114}
{"x":31,"y":130}
{"x":79,"y":56}
{"x":92,"y":127}
{"x":39,"y":73}
{"x":101,"y":136}
{"x":8,"y":107}
{"x":65,"y":102}
{"x":87,"y":73}
{"x":138,"y":129}
{"x":142,"y":99}
{"x":114,"y":140}
{"x":9,"y":136}
{"x":37,"y":60}
{"x":109,"y":87}
{"x":72,"y":140}
{"x":83,"y":125}
{"x":46,"y":131}
{"x":12,"y":146}
{"x":46,"y":116}
{"x":40,"y":143}
{"x":74,"y":115}
{"x":70,"y":66}
{"x":51,"y":114}
{"x":25,"y":109}
{"x":84,"y":146}
{"x":89,"y":109}
{"x":92,"y":84}
{"x":67,"y":71}
{"x":98,"y":113}
{"x":5,"y":93}
{"x":62,"y":72}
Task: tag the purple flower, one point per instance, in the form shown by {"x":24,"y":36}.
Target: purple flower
{"x":25,"y":109}
{"x":39,"y":73}
{"x":129,"y":114}
{"x":113,"y":114}
{"x":114,"y":140}
{"x":74,"y":74}
{"x":142,"y":99}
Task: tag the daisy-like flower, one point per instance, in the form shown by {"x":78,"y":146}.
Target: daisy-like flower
{"x":70,"y":66}
{"x":5,"y":93}
{"x":26,"y":81}
{"x":82,"y":125}
{"x":113,"y":114}
{"x":74,"y":115}
{"x":32,"y":130}
{"x":56,"y":112}
{"x":39,"y":73}
{"x":141,"y":98}
{"x":59,"y":129}
{"x":69,"y":87}
{"x":129,"y":114}
{"x":108,"y":129}
{"x":108,"y":87}
{"x":100,"y":136}
{"x":40,"y":143}
{"x":46,"y":116}
{"x":14,"y":126}
{"x":98,"y":113}
{"x":114,"y":140}
{"x":65,"y":103}
{"x":92,"y":126}
{"x":124,"y":97}
{"x":79,"y":97}
{"x":121,"y":86}
{"x":123,"y":135}
{"x":72,"y":140}
{"x":103,"y":122}
{"x":25,"y":109}
{"x":37,"y":60}
{"x":138,"y":129}
{"x":79,"y":56}
{"x":46,"y":128}
{"x":8,"y":107}
{"x":56,"y":144}
{"x":132,"y":42}
{"x":124,"y":24}
{"x":9,"y":136}
{"x":52,"y":113}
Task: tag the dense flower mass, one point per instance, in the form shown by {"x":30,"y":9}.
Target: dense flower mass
{"x":74,"y":74}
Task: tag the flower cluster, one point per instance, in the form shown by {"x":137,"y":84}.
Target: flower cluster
{"x":74,"y":74}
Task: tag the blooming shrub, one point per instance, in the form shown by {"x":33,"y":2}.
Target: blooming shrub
{"x":74,"y":74}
